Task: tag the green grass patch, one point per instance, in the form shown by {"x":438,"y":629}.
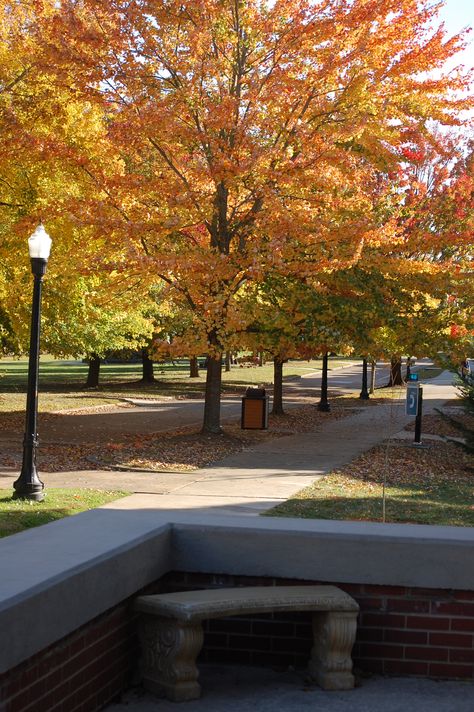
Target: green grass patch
{"x":422,"y":486}
{"x":16,"y":515}
{"x":62,"y":382}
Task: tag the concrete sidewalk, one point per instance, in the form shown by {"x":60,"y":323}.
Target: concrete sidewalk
{"x":264,"y":475}
{"x":260,"y":477}
{"x":238,"y":689}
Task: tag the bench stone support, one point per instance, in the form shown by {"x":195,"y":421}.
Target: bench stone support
{"x":171,"y":631}
{"x":169,"y":652}
{"x":331,"y":663}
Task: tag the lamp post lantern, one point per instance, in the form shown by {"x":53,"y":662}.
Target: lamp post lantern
{"x":28,"y":485}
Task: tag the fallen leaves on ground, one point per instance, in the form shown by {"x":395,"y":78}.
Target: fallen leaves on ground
{"x":182,"y":449}
{"x":437,"y":425}
{"x":431,"y":485}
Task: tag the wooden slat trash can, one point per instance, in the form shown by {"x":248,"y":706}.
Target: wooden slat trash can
{"x":255,"y":407}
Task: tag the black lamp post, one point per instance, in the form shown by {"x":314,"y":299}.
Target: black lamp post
{"x":323,"y":404}
{"x":28,"y":485}
{"x":364,"y":394}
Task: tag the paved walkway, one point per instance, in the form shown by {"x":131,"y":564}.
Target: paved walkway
{"x":260,"y":477}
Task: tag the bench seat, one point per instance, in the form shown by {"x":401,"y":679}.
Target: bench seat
{"x":171,"y":631}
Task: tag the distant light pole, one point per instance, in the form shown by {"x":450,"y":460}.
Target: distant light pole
{"x":323,"y":404}
{"x":364,"y":394}
{"x":28,"y":485}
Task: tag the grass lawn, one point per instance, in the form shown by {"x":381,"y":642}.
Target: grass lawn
{"x":62,"y":382}
{"x":17,"y":515}
{"x":428,"y":485}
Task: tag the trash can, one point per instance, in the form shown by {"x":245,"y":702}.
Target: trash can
{"x":255,"y":406}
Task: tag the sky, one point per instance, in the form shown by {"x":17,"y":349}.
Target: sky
{"x":458,"y":14}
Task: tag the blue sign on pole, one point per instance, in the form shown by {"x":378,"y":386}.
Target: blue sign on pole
{"x":412,"y":400}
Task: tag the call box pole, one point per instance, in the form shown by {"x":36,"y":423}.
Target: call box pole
{"x":417,"y":440}
{"x":414,"y":406}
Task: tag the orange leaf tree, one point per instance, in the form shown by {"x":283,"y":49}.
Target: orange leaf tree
{"x":248,"y":134}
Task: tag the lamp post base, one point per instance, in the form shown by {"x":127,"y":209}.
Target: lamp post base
{"x":27,"y":492}
{"x":29,"y":486}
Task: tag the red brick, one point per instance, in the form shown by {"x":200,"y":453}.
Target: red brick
{"x":303,"y":630}
{"x":368,"y":665}
{"x":379,"y":650}
{"x":455,"y":640}
{"x":277,"y":628}
{"x":384,"y":590}
{"x":432,"y":593}
{"x":428,"y":622}
{"x":294,"y":645}
{"x":217,"y":640}
{"x":383,"y":620}
{"x":370,"y":634}
{"x":400,"y":605}
{"x":458,"y":655}
{"x":444,"y":670}
{"x":413,"y":637}
{"x":233,"y":625}
{"x":453,"y":608}
{"x":425,"y":653}
{"x":371,"y":604}
{"x":463,"y":595}
{"x":405,"y":667}
{"x":50,"y":700}
{"x":464,"y":624}
{"x":243,"y":642}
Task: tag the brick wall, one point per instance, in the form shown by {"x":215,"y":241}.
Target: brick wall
{"x":401,"y":631}
{"x":81,"y":673}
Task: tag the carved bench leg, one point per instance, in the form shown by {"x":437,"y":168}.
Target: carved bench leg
{"x":331,"y":663}
{"x":169,"y":651}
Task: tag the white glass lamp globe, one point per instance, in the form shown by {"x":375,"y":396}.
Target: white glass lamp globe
{"x":39,"y":244}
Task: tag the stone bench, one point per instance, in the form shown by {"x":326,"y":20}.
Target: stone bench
{"x":171,"y":634}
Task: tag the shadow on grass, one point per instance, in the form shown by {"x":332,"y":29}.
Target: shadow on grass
{"x":446,"y":505}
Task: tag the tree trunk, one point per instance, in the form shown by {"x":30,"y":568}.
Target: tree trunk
{"x":261,"y":359}
{"x":372,"y":377}
{"x":396,"y":378}
{"x":147,"y":368}
{"x":228,"y":360}
{"x":277,"y":408}
{"x":408,"y":373}
{"x":193,"y":367}
{"x":212,"y":404}
{"x":93,"y":373}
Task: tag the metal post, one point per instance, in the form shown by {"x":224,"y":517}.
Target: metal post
{"x":419,"y":414}
{"x":364,"y":394}
{"x":28,"y":485}
{"x":323,"y":404}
